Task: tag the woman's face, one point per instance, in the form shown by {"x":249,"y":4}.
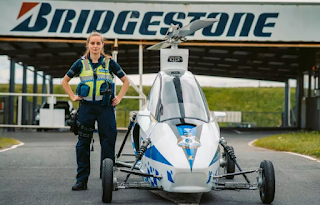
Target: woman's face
{"x":95,"y":45}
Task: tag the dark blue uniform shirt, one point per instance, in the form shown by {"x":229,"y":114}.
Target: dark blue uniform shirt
{"x":114,"y":68}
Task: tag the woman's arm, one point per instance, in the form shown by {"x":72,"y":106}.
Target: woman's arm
{"x":67,"y":88}
{"x":122,"y":92}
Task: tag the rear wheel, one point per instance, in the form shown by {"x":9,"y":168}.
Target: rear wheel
{"x":107,"y":180}
{"x":267,"y":188}
{"x":230,"y":165}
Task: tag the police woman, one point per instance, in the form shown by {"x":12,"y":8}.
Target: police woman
{"x":96,"y":93}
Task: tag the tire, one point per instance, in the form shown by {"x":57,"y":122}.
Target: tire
{"x":230,"y":165}
{"x":107,"y":180}
{"x":268,"y":188}
{"x":136,"y":136}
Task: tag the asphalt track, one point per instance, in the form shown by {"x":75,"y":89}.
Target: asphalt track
{"x":43,"y":171}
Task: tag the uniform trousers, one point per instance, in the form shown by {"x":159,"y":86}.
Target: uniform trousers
{"x":88,"y":113}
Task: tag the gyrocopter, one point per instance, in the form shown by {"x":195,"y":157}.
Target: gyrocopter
{"x":176,"y":142}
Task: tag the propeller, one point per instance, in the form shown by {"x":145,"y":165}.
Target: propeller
{"x":192,"y":27}
{"x":178,"y":35}
{"x":161,"y":45}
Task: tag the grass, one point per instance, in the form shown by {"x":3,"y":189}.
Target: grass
{"x":307,"y":143}
{"x":7,"y":142}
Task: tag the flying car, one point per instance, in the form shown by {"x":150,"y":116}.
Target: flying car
{"x":176,"y":141}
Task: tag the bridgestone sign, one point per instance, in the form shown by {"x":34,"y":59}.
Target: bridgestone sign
{"x":151,"y":21}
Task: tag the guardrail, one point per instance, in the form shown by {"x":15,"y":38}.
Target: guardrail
{"x":51,"y":100}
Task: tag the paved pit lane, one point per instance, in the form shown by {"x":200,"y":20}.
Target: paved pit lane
{"x":43,"y":172}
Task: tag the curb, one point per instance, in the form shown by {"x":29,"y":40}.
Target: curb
{"x":300,"y":155}
{"x":12,"y":147}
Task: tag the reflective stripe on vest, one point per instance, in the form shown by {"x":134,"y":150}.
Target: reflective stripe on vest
{"x":91,"y":98}
{"x":87,"y":77}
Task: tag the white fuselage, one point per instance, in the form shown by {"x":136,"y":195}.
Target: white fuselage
{"x":166,"y":158}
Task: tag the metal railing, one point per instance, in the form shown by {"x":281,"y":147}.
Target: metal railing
{"x":19,"y":108}
{"x":257,"y":119}
{"x":50,"y":99}
{"x":263,"y":119}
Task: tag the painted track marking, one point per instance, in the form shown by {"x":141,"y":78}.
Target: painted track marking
{"x":237,"y":131}
{"x":12,"y":147}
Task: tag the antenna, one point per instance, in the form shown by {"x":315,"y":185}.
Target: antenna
{"x":178,"y":35}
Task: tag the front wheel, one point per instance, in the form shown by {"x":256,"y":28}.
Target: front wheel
{"x":230,"y":166}
{"x":267,"y":188}
{"x":107,"y":180}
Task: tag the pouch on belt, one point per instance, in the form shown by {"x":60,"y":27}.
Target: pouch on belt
{"x":83,"y":90}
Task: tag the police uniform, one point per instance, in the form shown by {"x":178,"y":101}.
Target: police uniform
{"x":96,"y":106}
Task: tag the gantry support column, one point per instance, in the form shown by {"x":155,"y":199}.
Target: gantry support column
{"x":140,"y":73}
{"x":286,"y":116}
{"x":51,"y":85}
{"x":318,"y":77}
{"x":43,"y":87}
{"x":35,"y":90}
{"x":11,"y":90}
{"x":299,"y":96}
{"x":309,"y":82}
{"x":115,"y":58}
{"x":24,"y":98}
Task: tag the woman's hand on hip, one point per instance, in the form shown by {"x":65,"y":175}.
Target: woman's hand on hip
{"x":76,"y":98}
{"x":115,"y":101}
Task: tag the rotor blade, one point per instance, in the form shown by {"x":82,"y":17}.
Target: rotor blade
{"x":193,"y":27}
{"x":159,"y":46}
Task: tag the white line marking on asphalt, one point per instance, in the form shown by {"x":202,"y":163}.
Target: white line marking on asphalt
{"x":251,"y":143}
{"x":300,"y":155}
{"x":12,"y":147}
{"x":305,"y":156}
{"x":237,"y":131}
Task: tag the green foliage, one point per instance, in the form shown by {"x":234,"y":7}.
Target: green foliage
{"x":262,"y":106}
{"x":299,"y":142}
{"x":247,"y":99}
{"x":127,"y":105}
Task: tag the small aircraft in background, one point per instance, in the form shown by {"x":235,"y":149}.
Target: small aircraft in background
{"x":177,"y":143}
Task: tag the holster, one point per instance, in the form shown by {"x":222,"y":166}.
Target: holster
{"x":73,"y":122}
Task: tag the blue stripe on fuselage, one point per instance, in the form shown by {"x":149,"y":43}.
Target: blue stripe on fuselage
{"x":153,"y":153}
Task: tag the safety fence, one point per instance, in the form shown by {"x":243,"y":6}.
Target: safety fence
{"x":29,"y":117}
{"x":257,"y":119}
{"x":232,"y":119}
{"x":17,"y":111}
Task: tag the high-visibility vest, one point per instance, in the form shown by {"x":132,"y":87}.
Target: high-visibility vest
{"x":94,"y":81}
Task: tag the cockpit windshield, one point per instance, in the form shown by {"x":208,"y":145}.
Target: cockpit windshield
{"x":181,"y":97}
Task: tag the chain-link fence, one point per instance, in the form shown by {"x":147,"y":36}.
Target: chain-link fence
{"x":249,"y":119}
{"x":262,"y":119}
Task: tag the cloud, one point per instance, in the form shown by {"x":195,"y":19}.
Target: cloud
{"x":5,"y":72}
{"x":4,"y":69}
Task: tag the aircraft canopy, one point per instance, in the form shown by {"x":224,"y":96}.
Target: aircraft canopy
{"x":182,"y":97}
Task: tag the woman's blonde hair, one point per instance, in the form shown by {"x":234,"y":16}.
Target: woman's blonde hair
{"x":94,"y":33}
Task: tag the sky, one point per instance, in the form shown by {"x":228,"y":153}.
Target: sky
{"x":148,"y":79}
